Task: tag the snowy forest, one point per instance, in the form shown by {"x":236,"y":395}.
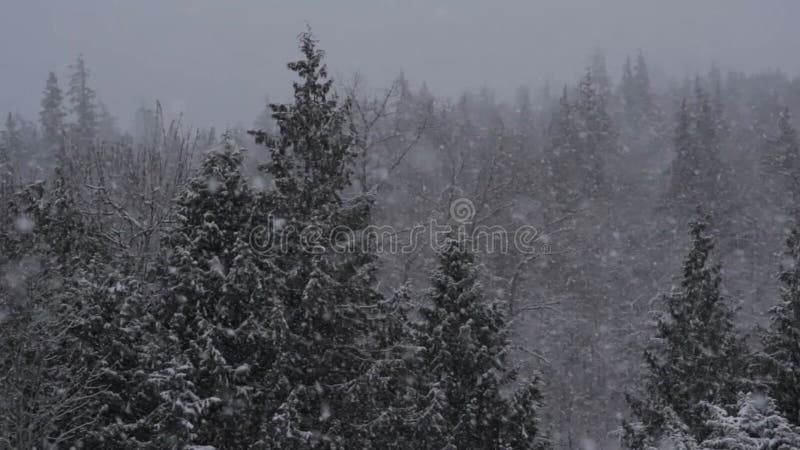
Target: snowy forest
{"x":615,"y":264}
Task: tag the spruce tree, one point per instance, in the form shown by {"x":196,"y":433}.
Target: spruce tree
{"x":708,"y":136}
{"x":106,"y":128}
{"x":627,"y":87}
{"x":683,"y":184}
{"x":466,"y":368}
{"x":600,"y":77}
{"x":6,"y":174}
{"x":218,"y":314}
{"x":698,"y":173}
{"x":7,"y":164}
{"x":782,"y":163}
{"x":789,"y":146}
{"x":123,"y":345}
{"x":331,"y":315}
{"x":641,"y":78}
{"x":597,"y":137}
{"x":51,"y":117}
{"x":781,"y":353}
{"x":11,"y":139}
{"x":560,"y":156}
{"x":698,"y":356}
{"x":636,"y":95}
{"x":83,"y":100}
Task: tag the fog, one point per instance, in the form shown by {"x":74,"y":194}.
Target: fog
{"x":215,"y":60}
{"x":509,"y":225}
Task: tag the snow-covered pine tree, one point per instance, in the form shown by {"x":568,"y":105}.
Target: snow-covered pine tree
{"x":120,"y":341}
{"x":472,"y":396}
{"x":698,"y":356}
{"x":677,"y":435}
{"x":781,"y":353}
{"x":218,"y":314}
{"x":756,"y":426}
{"x":332,"y":316}
{"x":52,"y":114}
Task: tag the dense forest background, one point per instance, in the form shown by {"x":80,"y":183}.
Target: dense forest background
{"x":663,"y":307}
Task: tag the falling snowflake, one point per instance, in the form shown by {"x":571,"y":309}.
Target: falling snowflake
{"x":24,"y":224}
{"x":213,"y":185}
{"x":325,"y":412}
{"x":259,"y":184}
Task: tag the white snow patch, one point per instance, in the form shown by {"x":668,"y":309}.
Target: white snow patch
{"x":242,"y":371}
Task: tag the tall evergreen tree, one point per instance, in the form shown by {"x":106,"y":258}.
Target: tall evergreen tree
{"x":789,"y":146}
{"x":698,"y":356}
{"x":636,"y":95}
{"x":782,"y":163}
{"x":627,"y":87}
{"x":11,"y":138}
{"x":716,"y":99}
{"x":699,"y":175}
{"x":641,"y":78}
{"x":466,"y":371}
{"x":218,"y":313}
{"x":83,"y":100}
{"x":562,"y":180}
{"x":600,"y":77}
{"x":6,"y":174}
{"x":596,"y":136}
{"x":9,"y":147}
{"x":106,"y":124}
{"x":331,"y":315}
{"x":683,"y":182}
{"x":52,"y":114}
{"x":781,"y":351}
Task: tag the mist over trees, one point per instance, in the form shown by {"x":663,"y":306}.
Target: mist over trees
{"x":157,"y":290}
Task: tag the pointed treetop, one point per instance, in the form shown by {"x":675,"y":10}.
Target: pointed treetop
{"x":310,"y":157}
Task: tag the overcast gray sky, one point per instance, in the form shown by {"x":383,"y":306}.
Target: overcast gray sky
{"x":216,"y":59}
